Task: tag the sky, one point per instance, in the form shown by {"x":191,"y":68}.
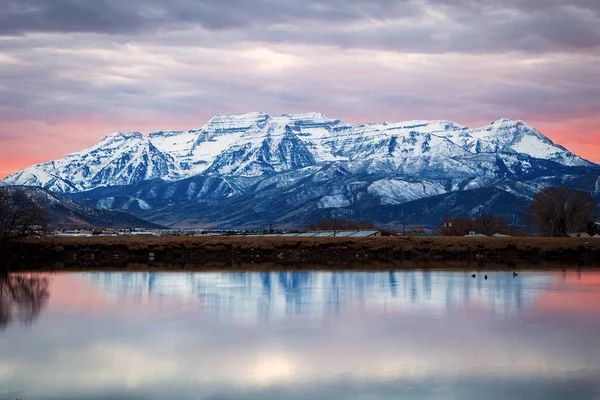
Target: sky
{"x":73,"y":71}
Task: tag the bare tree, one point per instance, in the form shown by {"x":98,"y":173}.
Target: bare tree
{"x":458,"y":226}
{"x":19,"y":215}
{"x":22,"y":296}
{"x":489,"y":224}
{"x":557,"y":211}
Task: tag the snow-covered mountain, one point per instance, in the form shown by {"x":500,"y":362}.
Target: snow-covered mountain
{"x":258,"y":297}
{"x":306,"y":161}
{"x":257,"y":144}
{"x":119,"y":159}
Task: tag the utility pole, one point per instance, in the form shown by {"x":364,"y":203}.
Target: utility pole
{"x":336,"y":213}
{"x":335,"y":225}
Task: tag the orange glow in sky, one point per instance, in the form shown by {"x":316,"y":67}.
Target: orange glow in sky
{"x":37,"y":143}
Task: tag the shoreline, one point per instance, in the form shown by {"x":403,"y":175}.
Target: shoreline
{"x":467,"y":268}
{"x":269,"y":253}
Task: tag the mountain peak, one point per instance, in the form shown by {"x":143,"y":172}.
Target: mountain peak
{"x":506,"y":121}
{"x":123,"y":136}
{"x":515,"y":125}
{"x":316,"y":116}
{"x":230,"y":122}
{"x":261,"y":118}
{"x":258,"y":115}
{"x":518,"y":128}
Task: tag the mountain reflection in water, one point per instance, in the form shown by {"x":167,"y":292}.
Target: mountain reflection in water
{"x":304,"y":335}
{"x":260,"y":296}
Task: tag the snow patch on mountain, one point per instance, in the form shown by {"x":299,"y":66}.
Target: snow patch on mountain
{"x":106,"y":203}
{"x":394,"y":191}
{"x":335,"y":201}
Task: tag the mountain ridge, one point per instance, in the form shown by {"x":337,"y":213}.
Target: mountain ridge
{"x":66,"y":213}
{"x":204,"y":151}
{"x":307,"y":161}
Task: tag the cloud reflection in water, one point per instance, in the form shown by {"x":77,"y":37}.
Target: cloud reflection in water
{"x":309,"y":335}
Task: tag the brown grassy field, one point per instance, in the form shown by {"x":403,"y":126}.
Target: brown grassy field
{"x":306,"y":253}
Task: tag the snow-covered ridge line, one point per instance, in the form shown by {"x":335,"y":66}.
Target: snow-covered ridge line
{"x":257,"y":144}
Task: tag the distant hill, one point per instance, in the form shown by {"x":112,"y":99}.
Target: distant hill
{"x":66,"y":213}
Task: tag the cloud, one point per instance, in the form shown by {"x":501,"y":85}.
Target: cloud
{"x":56,"y":83}
{"x":67,"y":61}
{"x":407,"y":25}
{"x":275,"y":336}
{"x":134,"y":16}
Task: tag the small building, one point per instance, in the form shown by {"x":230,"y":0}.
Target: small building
{"x":74,"y":234}
{"x":366,"y":234}
{"x":142,"y":233}
{"x":578,"y":235}
{"x":340,"y":233}
{"x":475,"y":234}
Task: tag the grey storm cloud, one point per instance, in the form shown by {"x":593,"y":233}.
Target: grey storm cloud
{"x":426,"y":25}
{"x":368,"y":59}
{"x":116,"y":16}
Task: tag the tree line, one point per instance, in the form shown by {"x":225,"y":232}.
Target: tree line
{"x":558,"y":211}
{"x":485,"y":224}
{"x":554,"y":211}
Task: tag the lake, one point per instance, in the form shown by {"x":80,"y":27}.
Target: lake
{"x":301,"y":335}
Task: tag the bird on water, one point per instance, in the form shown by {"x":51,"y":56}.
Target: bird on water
{"x":485,"y":277}
{"x":515,"y":274}
{"x":473,"y":276}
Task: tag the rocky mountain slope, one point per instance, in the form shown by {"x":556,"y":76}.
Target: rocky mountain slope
{"x":66,"y":213}
{"x":254,"y":169}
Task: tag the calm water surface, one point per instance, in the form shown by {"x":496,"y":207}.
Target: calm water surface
{"x":313,"y":335}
